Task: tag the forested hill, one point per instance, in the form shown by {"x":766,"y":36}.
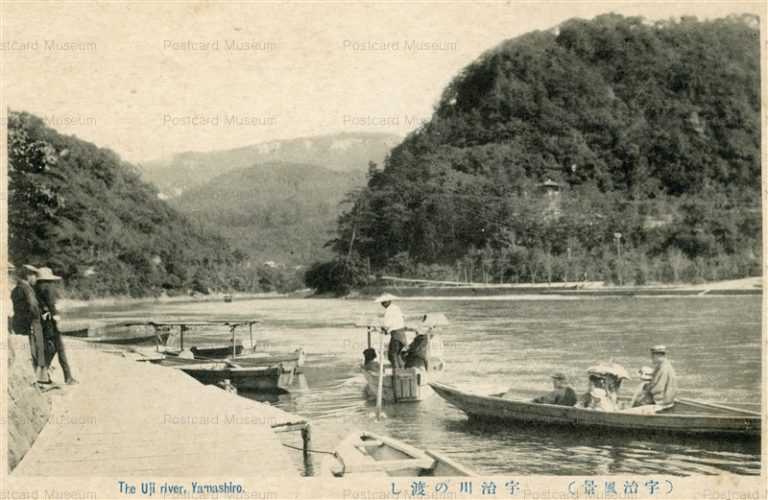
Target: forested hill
{"x":344,"y":152}
{"x":650,"y":130}
{"x":281,"y":212}
{"x":80,"y":210}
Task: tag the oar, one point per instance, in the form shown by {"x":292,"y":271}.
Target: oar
{"x":706,"y":404}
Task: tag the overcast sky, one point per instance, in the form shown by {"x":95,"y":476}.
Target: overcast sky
{"x":150,"y":80}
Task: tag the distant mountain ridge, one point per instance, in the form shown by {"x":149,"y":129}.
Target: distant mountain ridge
{"x":343,"y":152}
{"x":275,"y":211}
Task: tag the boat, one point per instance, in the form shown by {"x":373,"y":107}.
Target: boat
{"x":216,"y":350}
{"x":363,"y":454}
{"x":216,"y":363}
{"x":129,"y":339}
{"x":406,"y":385}
{"x":685,"y":416}
{"x":126,"y":332}
{"x":244,"y":378}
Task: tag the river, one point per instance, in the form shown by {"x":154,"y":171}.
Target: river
{"x":494,"y":345}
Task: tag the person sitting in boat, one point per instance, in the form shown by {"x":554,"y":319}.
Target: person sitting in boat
{"x":417,"y":354}
{"x":562,"y":393}
{"x":369,"y":360}
{"x":642,"y":395}
{"x":608,"y":376}
{"x":662,"y":389}
{"x":393,"y":325}
{"x":596,"y":399}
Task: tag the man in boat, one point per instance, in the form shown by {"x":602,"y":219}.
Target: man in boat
{"x":27,"y":320}
{"x":45,"y":290}
{"x":642,"y":396}
{"x":662,"y":388}
{"x":562,"y":393}
{"x":394,"y":326}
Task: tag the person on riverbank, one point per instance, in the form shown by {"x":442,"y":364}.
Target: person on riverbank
{"x":27,"y":320}
{"x":562,"y":393}
{"x":393,"y":325}
{"x":642,"y":395}
{"x":45,"y":289}
{"x":662,"y":389}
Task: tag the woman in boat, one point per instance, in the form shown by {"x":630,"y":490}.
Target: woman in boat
{"x":596,"y":399}
{"x":642,"y":394}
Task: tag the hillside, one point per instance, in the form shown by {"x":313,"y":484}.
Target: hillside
{"x":281,"y":212}
{"x":87,"y":214}
{"x":345,"y":152}
{"x":648,"y":132}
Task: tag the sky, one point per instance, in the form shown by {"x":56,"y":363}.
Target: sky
{"x":152,"y":79}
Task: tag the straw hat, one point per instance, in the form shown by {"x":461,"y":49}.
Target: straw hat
{"x":559,"y":376}
{"x":646,"y":373}
{"x":659,"y":349}
{"x":45,"y":274}
{"x":387,"y":297}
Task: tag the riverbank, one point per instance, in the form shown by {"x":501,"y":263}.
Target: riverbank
{"x":402,"y":289}
{"x":130,"y":419}
{"x":69,"y":304}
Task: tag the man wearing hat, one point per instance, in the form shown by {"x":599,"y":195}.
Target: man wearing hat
{"x":45,"y":289}
{"x":26,"y":320}
{"x":662,"y":388}
{"x":393,"y":324}
{"x":562,"y":393}
{"x":642,"y":395}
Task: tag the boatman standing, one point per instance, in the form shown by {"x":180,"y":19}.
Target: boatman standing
{"x":393,"y":325}
{"x":662,"y":388}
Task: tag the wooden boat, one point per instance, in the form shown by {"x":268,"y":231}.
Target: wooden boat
{"x":126,"y":332}
{"x":407,"y":386}
{"x":251,"y":371}
{"x":244,"y":378}
{"x":136,"y":339}
{"x":217,"y":351}
{"x":293,"y":361}
{"x":684,"y":417}
{"x":364,"y":454}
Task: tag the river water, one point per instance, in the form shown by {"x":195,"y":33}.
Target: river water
{"x":494,"y":345}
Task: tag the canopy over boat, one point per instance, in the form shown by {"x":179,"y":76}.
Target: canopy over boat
{"x":684,"y":417}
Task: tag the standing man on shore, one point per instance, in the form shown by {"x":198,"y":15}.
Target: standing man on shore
{"x":45,"y":289}
{"x":393,"y":325}
{"x":27,"y":320}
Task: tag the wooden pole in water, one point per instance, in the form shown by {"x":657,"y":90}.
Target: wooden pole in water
{"x":381,"y":375}
{"x":250,"y":332}
{"x":234,"y":349}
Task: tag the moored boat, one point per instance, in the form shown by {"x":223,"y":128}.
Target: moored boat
{"x":684,"y":417}
{"x":365,"y":454}
{"x":244,"y":378}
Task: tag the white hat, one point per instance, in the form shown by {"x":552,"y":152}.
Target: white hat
{"x":45,"y":274}
{"x":646,"y":373}
{"x":387,"y":297}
